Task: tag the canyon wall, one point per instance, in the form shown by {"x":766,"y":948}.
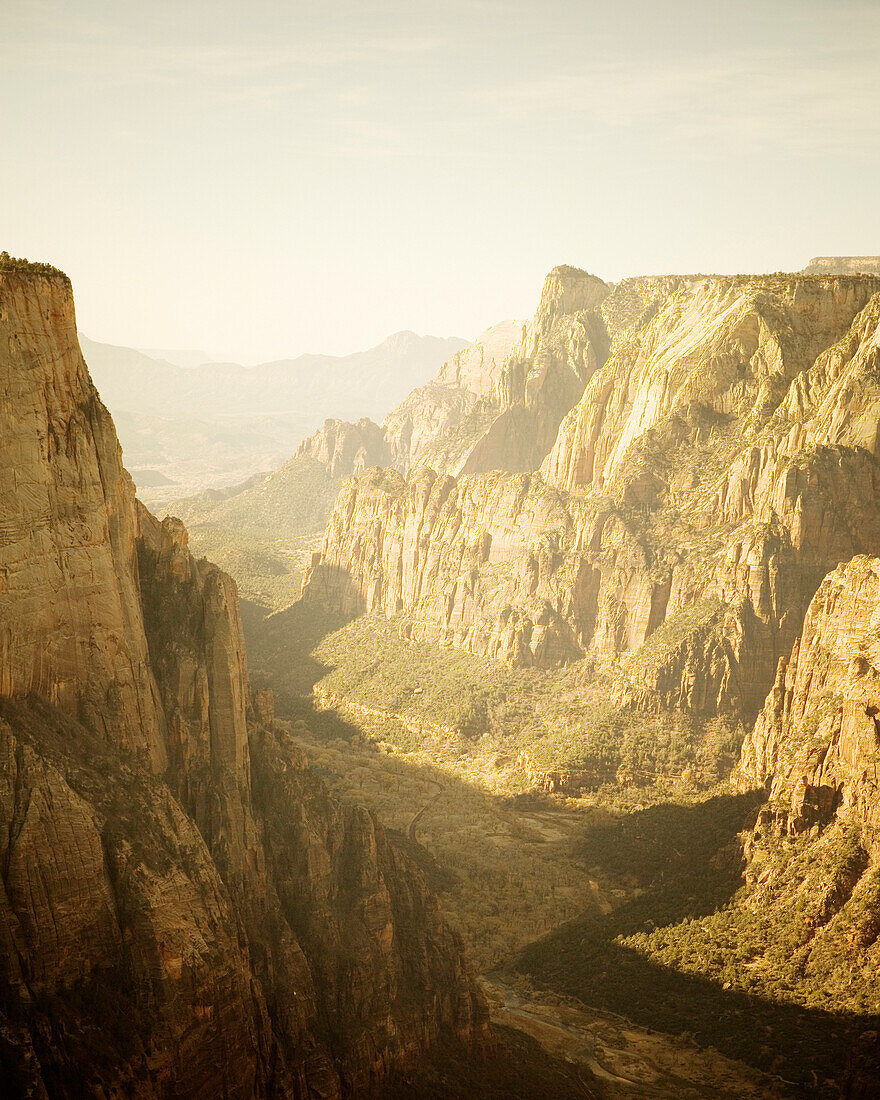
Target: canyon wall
{"x":184,"y":910}
{"x":721,"y":459}
{"x":815,"y":745}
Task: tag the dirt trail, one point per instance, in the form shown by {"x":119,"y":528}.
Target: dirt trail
{"x":418,"y":816}
{"x":631,"y":1062}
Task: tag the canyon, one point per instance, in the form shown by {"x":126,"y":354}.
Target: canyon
{"x":592,"y":626}
{"x":720,"y":460}
{"x":186,"y":911}
{"x":697,"y":544}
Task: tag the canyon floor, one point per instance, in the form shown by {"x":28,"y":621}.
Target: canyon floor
{"x":515,"y":866}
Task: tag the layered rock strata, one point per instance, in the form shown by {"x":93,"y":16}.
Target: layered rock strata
{"x":843,"y":265}
{"x":816,"y":743}
{"x":720,"y":461}
{"x":184,"y":911}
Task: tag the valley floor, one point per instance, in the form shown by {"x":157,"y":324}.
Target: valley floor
{"x":629,"y":1062}
{"x":511,"y":869}
{"x":517,"y":869}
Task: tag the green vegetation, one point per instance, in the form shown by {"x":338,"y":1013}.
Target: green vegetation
{"x":559,"y":718}
{"x":293,"y":501}
{"x":506,"y":867}
{"x":764,"y":972}
{"x":655,"y":651}
{"x":268,"y":572}
{"x":29,"y":267}
{"x":417,"y":727}
{"x":783,"y":937}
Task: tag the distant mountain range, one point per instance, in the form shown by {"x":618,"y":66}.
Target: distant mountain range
{"x":218,"y":423}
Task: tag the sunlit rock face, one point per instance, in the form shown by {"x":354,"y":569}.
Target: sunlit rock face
{"x":438,"y":425}
{"x":816,"y":742}
{"x":496,"y":404}
{"x":71,"y":626}
{"x":346,"y":449}
{"x":720,"y":460}
{"x":729,"y":346}
{"x":843,"y":265}
{"x":184,"y":910}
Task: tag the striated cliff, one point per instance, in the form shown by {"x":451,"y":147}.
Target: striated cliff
{"x":721,"y":459}
{"x":843,"y":265}
{"x":815,"y":745}
{"x":71,"y":627}
{"x":803,"y":925}
{"x":346,"y":449}
{"x":496,"y":404}
{"x":184,"y":910}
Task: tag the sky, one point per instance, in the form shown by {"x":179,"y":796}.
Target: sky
{"x":276,"y":177}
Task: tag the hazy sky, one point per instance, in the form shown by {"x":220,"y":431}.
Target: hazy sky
{"x":276,"y":176}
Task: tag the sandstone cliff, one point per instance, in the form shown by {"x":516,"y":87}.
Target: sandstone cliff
{"x":71,"y":626}
{"x":803,"y":928}
{"x":843,"y":265}
{"x":815,"y":745}
{"x":184,"y":911}
{"x":346,"y":449}
{"x":496,"y":404}
{"x":720,"y":460}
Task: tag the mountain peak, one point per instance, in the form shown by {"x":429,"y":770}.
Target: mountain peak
{"x":569,"y":289}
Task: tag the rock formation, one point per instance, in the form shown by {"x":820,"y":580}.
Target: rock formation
{"x":184,"y":910}
{"x":496,"y":404}
{"x":815,"y":745}
{"x":346,"y":449}
{"x":843,"y":265}
{"x":721,"y":459}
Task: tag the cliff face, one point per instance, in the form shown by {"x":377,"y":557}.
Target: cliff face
{"x":346,"y":449}
{"x":815,"y":743}
{"x":730,"y":346}
{"x":719,"y":462}
{"x":439,"y":424}
{"x":183,"y":908}
{"x":71,"y":628}
{"x":498,"y":403}
{"x":806,"y":921}
{"x":843,"y":265}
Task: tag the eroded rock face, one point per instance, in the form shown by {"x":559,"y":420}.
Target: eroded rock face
{"x":184,"y":911}
{"x":719,"y":462}
{"x":730,"y":346}
{"x":346,"y":449}
{"x":495,"y":405}
{"x":843,"y":265}
{"x":815,"y":745}
{"x":71,"y":628}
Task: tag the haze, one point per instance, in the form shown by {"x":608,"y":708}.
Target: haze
{"x":275,"y":178}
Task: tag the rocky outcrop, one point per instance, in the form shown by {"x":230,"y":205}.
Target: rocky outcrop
{"x":438,"y":425}
{"x":498,"y":403}
{"x":815,"y":745}
{"x":843,"y":265}
{"x":346,"y":449}
{"x":730,"y":346}
{"x":543,"y":377}
{"x":720,"y":461}
{"x":71,"y":628}
{"x":184,"y":910}
{"x":445,"y":553}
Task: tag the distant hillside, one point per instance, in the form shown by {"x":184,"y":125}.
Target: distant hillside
{"x":843,"y":265}
{"x":295,"y":499}
{"x":315,"y":386}
{"x":216,"y":424}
